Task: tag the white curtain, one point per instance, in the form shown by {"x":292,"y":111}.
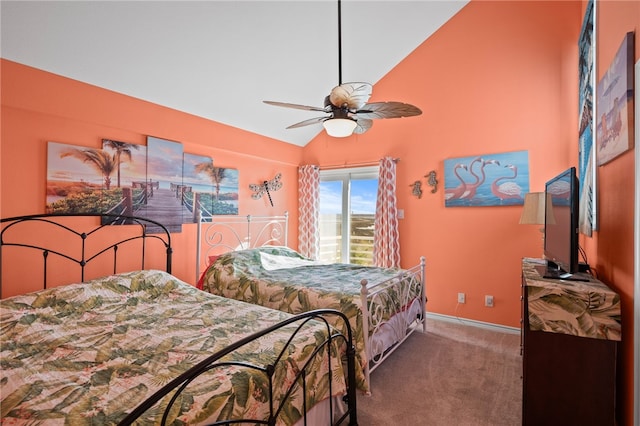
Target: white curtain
{"x":309,"y":211}
{"x":386,"y":239}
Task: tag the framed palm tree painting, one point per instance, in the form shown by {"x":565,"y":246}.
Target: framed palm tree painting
{"x":83,"y":180}
{"x":158,"y":181}
{"x":223,"y":198}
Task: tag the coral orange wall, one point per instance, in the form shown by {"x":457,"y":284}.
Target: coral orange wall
{"x":611,"y":248}
{"x":38,"y":107}
{"x":498,"y":77}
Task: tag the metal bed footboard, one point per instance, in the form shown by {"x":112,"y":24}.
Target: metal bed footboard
{"x":406,"y":293}
{"x":216,"y":363}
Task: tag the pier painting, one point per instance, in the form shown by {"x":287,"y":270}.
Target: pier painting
{"x":157,"y":181}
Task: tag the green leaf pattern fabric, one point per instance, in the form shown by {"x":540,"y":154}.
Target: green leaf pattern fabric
{"x":578,"y":308}
{"x":241,"y":275}
{"x":87,"y":354}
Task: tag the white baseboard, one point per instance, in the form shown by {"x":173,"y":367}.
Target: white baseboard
{"x":474,"y":323}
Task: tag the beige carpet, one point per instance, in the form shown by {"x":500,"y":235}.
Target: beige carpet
{"x":455,"y":374}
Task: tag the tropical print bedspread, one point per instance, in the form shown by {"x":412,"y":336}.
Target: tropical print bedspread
{"x":281,"y":278}
{"x":87,"y":354}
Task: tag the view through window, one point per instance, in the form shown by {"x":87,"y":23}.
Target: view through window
{"x":347,"y":214}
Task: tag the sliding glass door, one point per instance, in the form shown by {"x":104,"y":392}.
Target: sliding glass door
{"x":347,"y":213}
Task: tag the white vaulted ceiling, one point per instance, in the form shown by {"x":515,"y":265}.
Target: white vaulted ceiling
{"x":221,"y":59}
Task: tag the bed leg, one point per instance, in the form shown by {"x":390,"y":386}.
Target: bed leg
{"x":366,"y":319}
{"x":351,"y":391}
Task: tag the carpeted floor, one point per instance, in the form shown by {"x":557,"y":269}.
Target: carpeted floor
{"x":455,"y":374}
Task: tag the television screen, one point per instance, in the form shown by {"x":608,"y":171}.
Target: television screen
{"x":561,"y":224}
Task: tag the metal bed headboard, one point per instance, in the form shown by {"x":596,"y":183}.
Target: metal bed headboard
{"x":75,"y":250}
{"x":221,"y":234}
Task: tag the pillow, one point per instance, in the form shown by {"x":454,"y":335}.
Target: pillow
{"x":273,"y":262}
{"x":212,"y":259}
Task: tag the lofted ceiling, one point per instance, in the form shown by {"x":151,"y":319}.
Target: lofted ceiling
{"x":221,"y":59}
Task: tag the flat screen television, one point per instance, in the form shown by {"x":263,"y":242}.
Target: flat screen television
{"x":561,"y":226}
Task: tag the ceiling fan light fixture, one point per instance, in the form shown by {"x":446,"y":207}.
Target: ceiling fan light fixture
{"x":348,"y":104}
{"x":339,"y":127}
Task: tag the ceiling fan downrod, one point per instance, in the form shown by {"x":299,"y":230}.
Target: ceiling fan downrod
{"x":339,"y":43}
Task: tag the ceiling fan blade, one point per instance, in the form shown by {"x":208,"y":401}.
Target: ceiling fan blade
{"x":362,"y":126}
{"x":308,"y":122}
{"x":296,"y":106}
{"x":352,"y":95}
{"x":387,"y":110}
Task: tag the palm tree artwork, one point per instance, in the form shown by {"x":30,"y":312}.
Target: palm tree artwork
{"x":158,"y":181}
{"x":79,"y":180}
{"x":216,"y":174}
{"x":100,"y":160}
{"x":225,"y":182}
{"x":122,"y":149}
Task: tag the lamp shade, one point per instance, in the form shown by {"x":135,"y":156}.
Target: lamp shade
{"x":339,"y":127}
{"x":533,"y":212}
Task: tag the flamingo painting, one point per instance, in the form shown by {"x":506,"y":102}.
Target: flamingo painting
{"x":486,"y":180}
{"x":461,"y":189}
{"x":507,"y":190}
{"x":472,"y":188}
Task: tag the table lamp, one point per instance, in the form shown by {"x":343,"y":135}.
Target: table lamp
{"x":534,"y":209}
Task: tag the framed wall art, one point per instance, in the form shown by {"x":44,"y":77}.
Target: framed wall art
{"x":165,"y":176}
{"x":486,"y":180}
{"x":614,"y":133}
{"x":214,"y":188}
{"x":79,"y":179}
{"x":586,"y":148}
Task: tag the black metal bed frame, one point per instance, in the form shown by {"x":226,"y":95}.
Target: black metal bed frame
{"x":180,"y":383}
{"x":18,"y":223}
{"x":216,"y":360}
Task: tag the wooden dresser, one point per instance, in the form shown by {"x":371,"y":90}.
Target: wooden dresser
{"x":570,"y":331}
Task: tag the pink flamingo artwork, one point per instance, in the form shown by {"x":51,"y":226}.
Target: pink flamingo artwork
{"x":460,"y":190}
{"x":507,"y":190}
{"x":472,"y":188}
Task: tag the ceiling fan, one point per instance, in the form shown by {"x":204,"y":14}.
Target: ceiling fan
{"x":346,"y":105}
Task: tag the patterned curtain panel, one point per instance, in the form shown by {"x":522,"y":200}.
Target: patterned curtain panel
{"x":386,"y":239}
{"x":309,"y":211}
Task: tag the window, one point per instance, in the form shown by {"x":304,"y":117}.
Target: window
{"x":347,"y":214}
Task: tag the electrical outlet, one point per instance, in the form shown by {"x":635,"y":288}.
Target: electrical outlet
{"x":461,"y":298}
{"x":488,"y":301}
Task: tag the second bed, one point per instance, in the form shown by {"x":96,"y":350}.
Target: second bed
{"x":247,"y":260}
